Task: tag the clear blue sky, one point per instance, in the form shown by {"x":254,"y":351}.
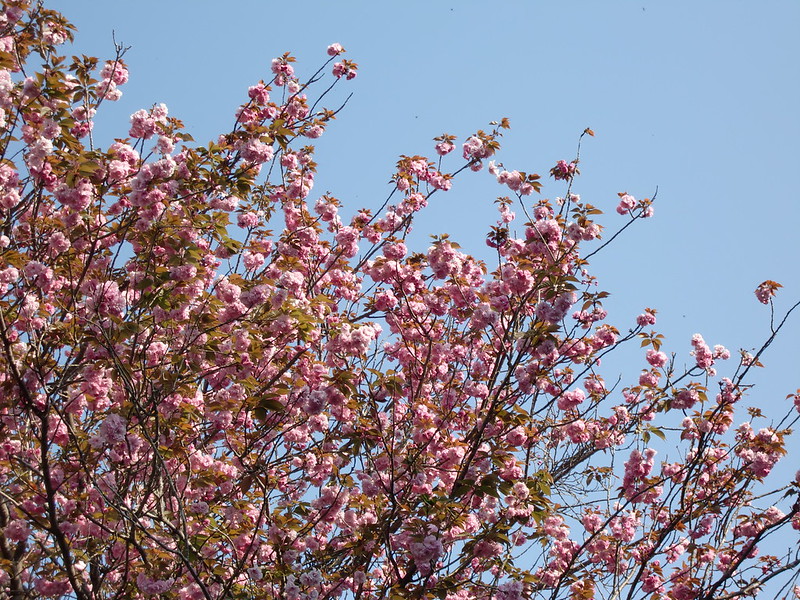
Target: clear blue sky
{"x":697,"y":98}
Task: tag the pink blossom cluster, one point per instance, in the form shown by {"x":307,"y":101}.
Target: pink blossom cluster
{"x":335,"y":49}
{"x":411,"y":172}
{"x":516,"y":181}
{"x":9,"y":182}
{"x":346,"y":69}
{"x":444,"y":148}
{"x":475,"y":149}
{"x":144,"y":124}
{"x":282,"y":69}
{"x":759,"y":451}
{"x":555,"y":311}
{"x":628,"y":204}
{"x":636,"y":485}
{"x":704,"y":357}
{"x":564,"y":170}
{"x":114,"y":73}
{"x":648,"y":317}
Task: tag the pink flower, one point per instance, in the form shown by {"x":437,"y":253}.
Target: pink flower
{"x":516,"y":436}
{"x":684,"y":399}
{"x":335,"y":49}
{"x":112,"y":431}
{"x":656,"y":359}
{"x":702,"y":353}
{"x":592,"y":521}
{"x":637,"y":468}
{"x":259,"y":93}
{"x":9,"y":198}
{"x":652,"y":582}
{"x":314,"y":132}
{"x":256,"y":152}
{"x":52,"y":588}
{"x":247,"y":220}
{"x":143,"y":125}
{"x":199,"y":507}
{"x":395,"y":251}
{"x":54,"y":34}
{"x":227,"y":203}
{"x":721,"y":353}
{"x":440,"y":182}
{"x":426,"y":552}
{"x":624,"y":526}
{"x":766,"y":290}
{"x":159,"y":112}
{"x":474,"y":148}
{"x":571,"y":399}
{"x":152,"y":587}
{"x":344,"y":68}
{"x":513,"y":179}
{"x":520,"y":490}
{"x":347,"y":238}
{"x":443,"y":148}
{"x":114,"y":71}
{"x":165,"y":145}
{"x":626,"y":204}
{"x":156,"y":351}
{"x":510,"y":590}
{"x":487,"y":549}
{"x":648,"y":379}
{"x":676,"y":550}
{"x":17,"y":531}
{"x":385,"y":300}
{"x":252,"y":260}
{"x":9,"y":182}
{"x":594,"y":385}
{"x":282,"y":68}
{"x":183,"y":272}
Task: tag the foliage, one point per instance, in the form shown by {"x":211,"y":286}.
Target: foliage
{"x":213,"y":386}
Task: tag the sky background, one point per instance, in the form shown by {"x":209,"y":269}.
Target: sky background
{"x":697,"y":99}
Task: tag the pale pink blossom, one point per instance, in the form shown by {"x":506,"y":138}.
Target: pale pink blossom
{"x":17,"y":530}
{"x":335,"y":49}
{"x":571,"y":399}
{"x":626,"y":204}
{"x":112,"y":431}
{"x":702,"y":353}
{"x":443,"y":148}
{"x":656,"y":359}
{"x":114,"y":71}
{"x":152,"y":587}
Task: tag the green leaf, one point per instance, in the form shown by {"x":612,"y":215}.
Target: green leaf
{"x":271,"y":404}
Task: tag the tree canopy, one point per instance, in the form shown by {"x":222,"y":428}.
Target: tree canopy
{"x":217,"y":383}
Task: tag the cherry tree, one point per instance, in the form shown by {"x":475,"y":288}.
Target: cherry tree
{"x":215,"y":385}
